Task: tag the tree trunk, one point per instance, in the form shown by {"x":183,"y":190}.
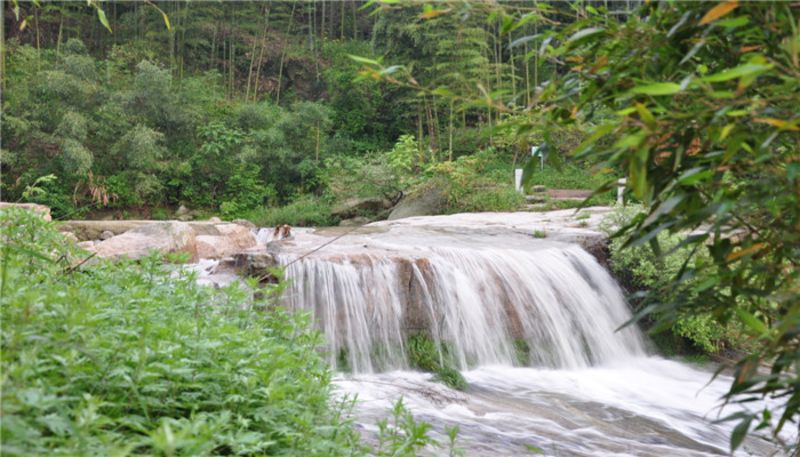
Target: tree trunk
{"x":261,"y":54}
{"x":283,"y":54}
{"x":341,"y":21}
{"x":450,"y":134}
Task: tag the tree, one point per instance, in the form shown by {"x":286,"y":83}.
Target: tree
{"x":696,"y":104}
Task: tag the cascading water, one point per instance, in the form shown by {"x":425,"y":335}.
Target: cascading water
{"x":483,"y":303}
{"x":482,"y":287}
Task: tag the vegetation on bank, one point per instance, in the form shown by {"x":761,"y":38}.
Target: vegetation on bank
{"x":696,"y":103}
{"x":130,"y":358}
{"x":639,"y":270}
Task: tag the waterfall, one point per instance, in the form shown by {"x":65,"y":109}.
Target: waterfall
{"x":482,"y":303}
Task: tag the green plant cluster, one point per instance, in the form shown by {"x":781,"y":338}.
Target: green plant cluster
{"x":121,"y":358}
{"x":641,"y":270}
{"x":130,"y":358}
{"x":705,"y":99}
{"x":426,"y":355}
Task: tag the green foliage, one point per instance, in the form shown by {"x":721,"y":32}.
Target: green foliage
{"x":306,"y":210}
{"x":128,"y":358}
{"x":400,"y":435}
{"x":404,"y":158}
{"x":426,"y":355}
{"x":477,"y":182}
{"x":571,"y":176}
{"x":345,"y":176}
{"x":708,"y":137}
{"x":640,"y":269}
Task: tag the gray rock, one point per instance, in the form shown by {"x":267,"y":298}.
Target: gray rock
{"x":354,"y":221}
{"x":70,"y":236}
{"x":42,"y":210}
{"x":245,"y":223}
{"x":182,"y":211}
{"x":215,"y":220}
{"x":356,"y":206}
{"x":254,"y":262}
{"x":429,"y":201}
{"x":107,"y":234}
{"x":91,"y":230}
{"x":164,"y":237}
{"x":228,"y":240}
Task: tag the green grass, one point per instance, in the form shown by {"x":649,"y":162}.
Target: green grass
{"x":567,"y":177}
{"x":306,"y":211}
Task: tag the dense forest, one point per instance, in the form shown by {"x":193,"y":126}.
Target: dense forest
{"x":235,"y":107}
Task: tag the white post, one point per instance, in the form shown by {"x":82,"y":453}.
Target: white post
{"x":518,"y":180}
{"x":621,"y":191}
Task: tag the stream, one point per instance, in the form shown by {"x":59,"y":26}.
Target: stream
{"x":482,"y":286}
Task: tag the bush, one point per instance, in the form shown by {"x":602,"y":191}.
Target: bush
{"x":640,"y":269}
{"x":126,"y":358}
{"x":478,"y":182}
{"x":424,"y":354}
{"x":305,"y":211}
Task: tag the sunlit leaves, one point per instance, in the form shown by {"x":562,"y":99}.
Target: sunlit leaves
{"x":719,"y":11}
{"x":657,"y":89}
{"x":583,"y":35}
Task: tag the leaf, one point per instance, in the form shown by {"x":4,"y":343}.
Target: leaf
{"x":781,"y":124}
{"x":751,"y":321}
{"x":745,"y":251}
{"x":646,"y":115}
{"x":734,"y":22}
{"x":522,"y":40}
{"x":738,"y":72}
{"x":583,"y":34}
{"x":528,"y":170}
{"x":693,"y":176}
{"x":726,"y":131}
{"x":429,"y":12}
{"x":664,"y":208}
{"x":739,"y":432}
{"x":657,"y":89}
{"x":533,"y":449}
{"x":101,"y":15}
{"x":719,"y":11}
{"x":364,"y":60}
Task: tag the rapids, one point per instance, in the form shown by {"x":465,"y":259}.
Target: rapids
{"x":481,"y":286}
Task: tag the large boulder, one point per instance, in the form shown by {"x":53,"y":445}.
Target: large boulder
{"x":93,"y":230}
{"x":356,"y":206}
{"x":42,"y":210}
{"x":428,"y":201}
{"x":164,"y":237}
{"x":227,"y":240}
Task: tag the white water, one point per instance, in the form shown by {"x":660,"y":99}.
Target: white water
{"x":643,"y":407}
{"x":585,"y":389}
{"x":482,"y":301}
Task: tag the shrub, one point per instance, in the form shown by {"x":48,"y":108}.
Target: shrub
{"x":305,"y":211}
{"x":478,"y":182}
{"x":640,"y":269}
{"x":126,"y":358}
{"x":426,"y":355}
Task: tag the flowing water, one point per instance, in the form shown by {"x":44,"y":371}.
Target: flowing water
{"x":533,"y":325}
